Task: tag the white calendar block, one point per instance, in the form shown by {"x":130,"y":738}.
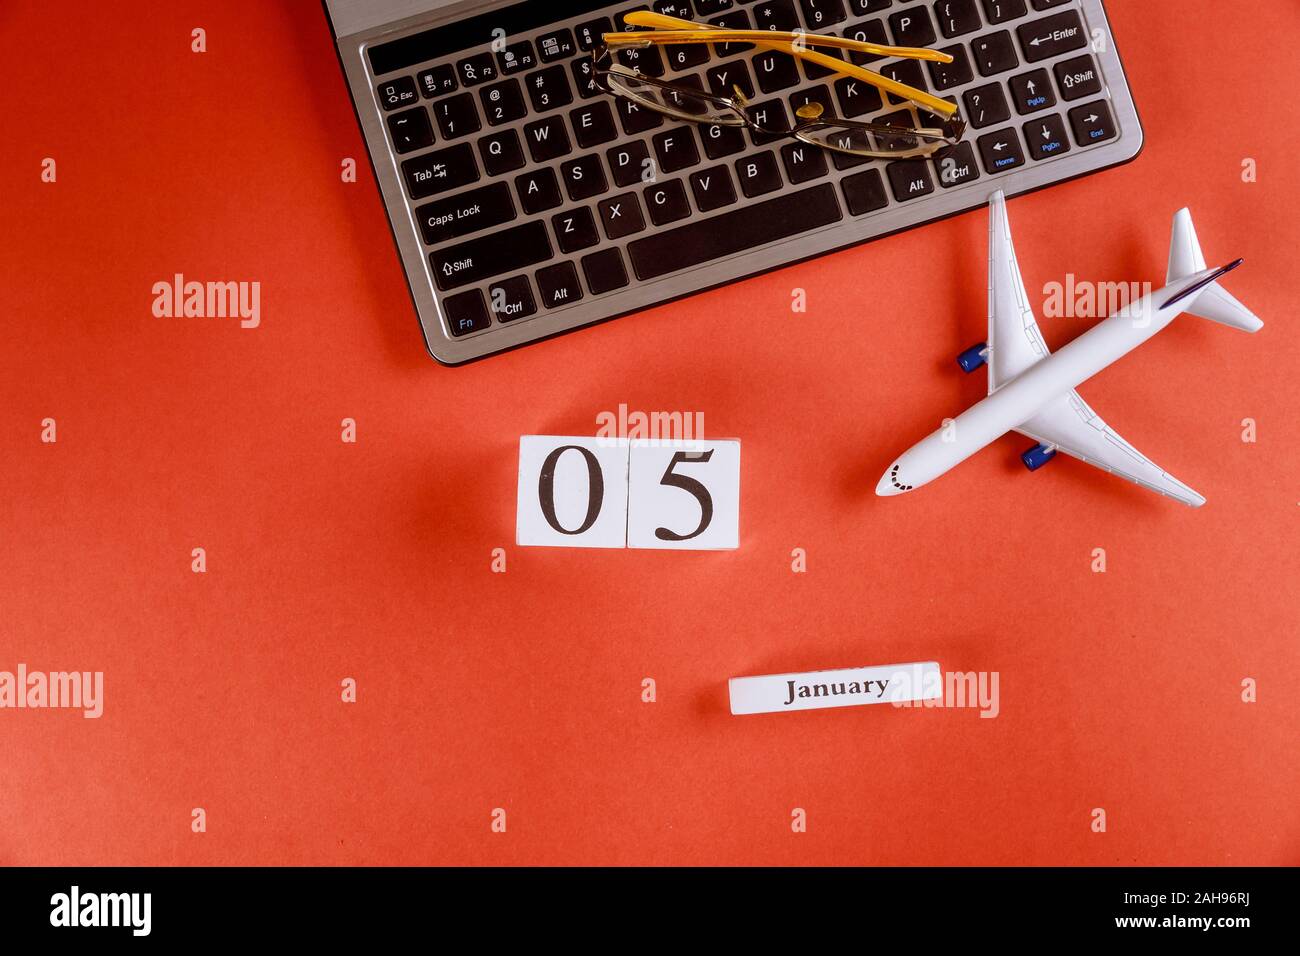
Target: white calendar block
{"x":684,"y":495}
{"x":572,"y":492}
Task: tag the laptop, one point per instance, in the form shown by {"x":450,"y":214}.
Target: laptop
{"x":526,"y":202}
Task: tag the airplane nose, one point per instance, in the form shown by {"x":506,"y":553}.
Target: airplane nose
{"x":886,"y":487}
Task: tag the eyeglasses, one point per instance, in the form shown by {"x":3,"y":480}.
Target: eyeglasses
{"x":814,"y":125}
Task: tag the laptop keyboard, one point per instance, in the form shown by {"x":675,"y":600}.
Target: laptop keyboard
{"x":532,"y":203}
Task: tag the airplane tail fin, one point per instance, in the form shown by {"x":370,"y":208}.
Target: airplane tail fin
{"x":1213,"y":302}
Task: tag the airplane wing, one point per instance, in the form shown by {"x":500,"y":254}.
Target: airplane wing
{"x":1074,"y":428}
{"x":1014,"y":341}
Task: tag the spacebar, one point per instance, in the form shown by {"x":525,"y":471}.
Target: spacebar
{"x":734,"y":231}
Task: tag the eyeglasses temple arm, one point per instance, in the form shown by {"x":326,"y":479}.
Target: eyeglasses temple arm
{"x":902,"y":90}
{"x":711,"y":35}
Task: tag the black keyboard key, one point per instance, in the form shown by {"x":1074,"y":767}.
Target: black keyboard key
{"x":477,"y":69}
{"x":864,"y":192}
{"x":575,"y":229}
{"x":1092,"y":123}
{"x":666,"y":202}
{"x":856,"y":98}
{"x":735,"y":20}
{"x":501,"y":152}
{"x":910,"y":179}
{"x":708,"y":7}
{"x":681,"y":9}
{"x":459,"y":215}
{"x":647,"y":60}
{"x":1048,"y":4}
{"x":1032,"y":91}
{"x":957,"y":17}
{"x":775,"y":71}
{"x":820,"y":95}
{"x":556,"y":45}
{"x":912,"y":27}
{"x":398,"y":92}
{"x":439,"y":171}
{"x":1078,"y":77}
{"x":776,"y":15}
{"x":1000,"y":11}
{"x":466,"y":313}
{"x":593,"y":124}
{"x":589,"y":34}
{"x":819,"y":15}
{"x":712,"y":188}
{"x":815,"y":71}
{"x":584,"y":78}
{"x":583,"y":177}
{"x":957,"y":73}
{"x":1050,"y":36}
{"x":621,"y":215}
{"x":547,"y":139}
{"x":686,"y":56}
{"x":437,"y":80}
{"x":456,"y":116}
{"x":769,"y":115}
{"x":1001,"y":151}
{"x":516,"y":58}
{"x":410,"y":130}
{"x":956,"y":165}
{"x":675,"y":149}
{"x":489,"y":256}
{"x":605,"y":271}
{"x":995,"y":53}
{"x":725,"y":77}
{"x":986,"y":105}
{"x":503,"y":102}
{"x":722,"y":141}
{"x":538,"y":190}
{"x":511,"y":299}
{"x":758,"y":174}
{"x":803,"y":162}
{"x":1046,"y":137}
{"x":636,"y":119}
{"x":548,"y":89}
{"x":631,"y":163}
{"x":558,"y":285}
{"x":903,"y":71}
{"x":860,"y":8}
{"x":873,"y":31}
{"x":745,"y":227}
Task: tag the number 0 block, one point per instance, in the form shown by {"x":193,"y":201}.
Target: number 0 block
{"x":572,"y":492}
{"x":684,"y":495}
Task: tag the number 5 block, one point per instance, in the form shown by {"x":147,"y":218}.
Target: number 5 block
{"x":572,"y":492}
{"x":684,"y":495}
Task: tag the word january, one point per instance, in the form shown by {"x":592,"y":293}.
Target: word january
{"x":57,"y":689}
{"x":211,"y":300}
{"x":833,"y":690}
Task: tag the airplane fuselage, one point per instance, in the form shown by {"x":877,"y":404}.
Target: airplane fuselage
{"x":1019,"y":400}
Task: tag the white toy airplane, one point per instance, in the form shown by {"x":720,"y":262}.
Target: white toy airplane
{"x":1031,"y":391}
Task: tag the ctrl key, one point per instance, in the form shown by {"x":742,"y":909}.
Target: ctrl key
{"x":466,"y":312}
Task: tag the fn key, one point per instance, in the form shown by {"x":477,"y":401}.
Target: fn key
{"x":466,"y":312}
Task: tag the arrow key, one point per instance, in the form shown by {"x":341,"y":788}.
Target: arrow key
{"x":1046,"y":137}
{"x":1001,"y":151}
{"x":1092,"y":123}
{"x":1032,"y":92}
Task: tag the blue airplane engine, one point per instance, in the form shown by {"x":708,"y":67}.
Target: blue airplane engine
{"x":1037,"y":457}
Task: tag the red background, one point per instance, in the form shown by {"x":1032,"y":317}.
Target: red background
{"x":522,"y":690}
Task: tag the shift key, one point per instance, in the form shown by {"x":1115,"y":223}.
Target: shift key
{"x":506,"y":251}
